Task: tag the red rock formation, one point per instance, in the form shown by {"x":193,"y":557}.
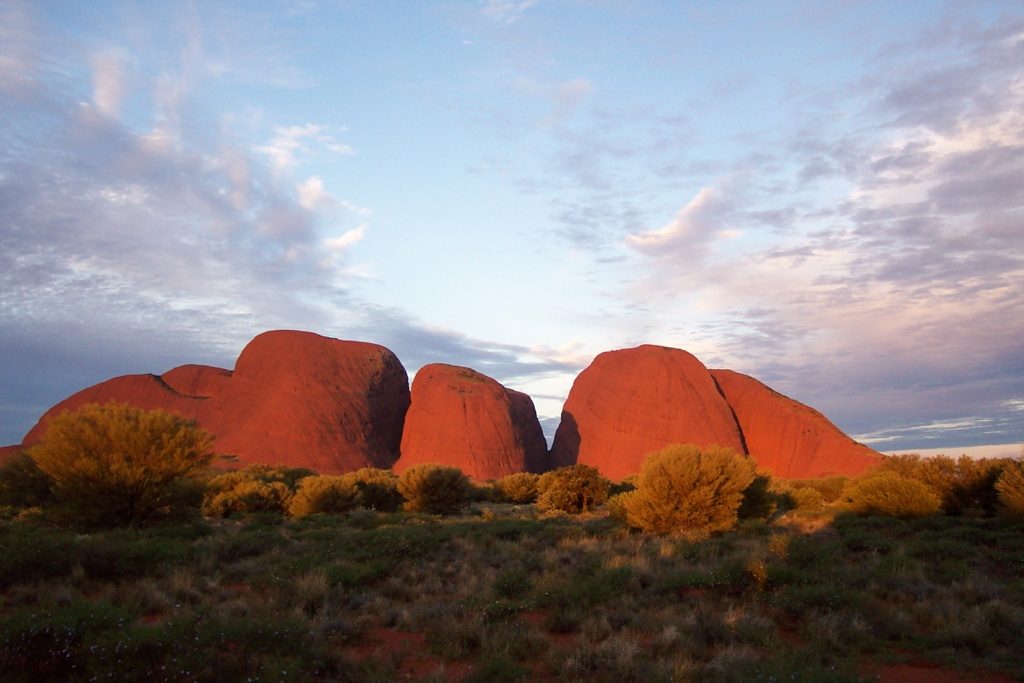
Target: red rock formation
{"x":464,"y":419}
{"x":632,"y":402}
{"x":295,"y":398}
{"x":142,"y":391}
{"x":787,"y":438}
{"x":304,"y":400}
{"x":197,"y":380}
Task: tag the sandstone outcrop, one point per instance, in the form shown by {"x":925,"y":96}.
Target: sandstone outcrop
{"x":462,"y":418}
{"x":787,"y":438}
{"x":295,"y":398}
{"x":632,"y":402}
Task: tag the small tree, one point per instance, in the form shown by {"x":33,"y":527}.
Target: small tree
{"x":688,"y":491}
{"x":378,"y":489}
{"x":434,"y":488}
{"x":23,"y":484}
{"x":520,"y":487}
{"x":1011,"y":489}
{"x":888,"y":493}
{"x":574,"y":489}
{"x":114,"y":464}
{"x":324,"y":494}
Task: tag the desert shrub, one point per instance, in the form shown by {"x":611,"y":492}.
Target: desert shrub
{"x":23,"y":484}
{"x":257,"y":488}
{"x":434,"y":488}
{"x":520,"y":487}
{"x":114,"y":464}
{"x":617,"y":505}
{"x":807,"y":498}
{"x":1011,"y":489}
{"x":324,"y":494}
{"x":688,"y":491}
{"x":758,"y":500}
{"x":888,"y":493}
{"x":574,"y":489}
{"x":830,"y":488}
{"x":963,"y":484}
{"x":33,"y":554}
{"x":378,"y":489}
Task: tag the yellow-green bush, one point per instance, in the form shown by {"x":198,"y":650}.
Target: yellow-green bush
{"x":689,"y":491}
{"x":1011,"y":489}
{"x":573,"y":489}
{"x":807,"y":498}
{"x":618,"y":504}
{"x":378,"y":489}
{"x":257,"y":488}
{"x":324,"y":494}
{"x":963,"y":484}
{"x":888,"y":493}
{"x":520,"y":487}
{"x":113,"y":464}
{"x":436,"y":489}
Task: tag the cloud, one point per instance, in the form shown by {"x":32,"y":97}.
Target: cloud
{"x":347,"y":239}
{"x":506,"y":11}
{"x":291,"y":141}
{"x":109,"y":78}
{"x":688,"y":236}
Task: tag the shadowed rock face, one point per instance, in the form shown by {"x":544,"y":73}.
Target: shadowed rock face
{"x":464,"y":419}
{"x":295,"y":398}
{"x":632,"y":402}
{"x":9,"y":453}
{"x":787,"y":438}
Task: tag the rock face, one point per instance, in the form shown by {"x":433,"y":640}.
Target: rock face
{"x":787,"y":438}
{"x":8,"y":453}
{"x":295,"y":398}
{"x":632,"y":402}
{"x":464,"y":419}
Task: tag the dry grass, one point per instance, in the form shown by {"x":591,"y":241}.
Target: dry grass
{"x":515,"y":596}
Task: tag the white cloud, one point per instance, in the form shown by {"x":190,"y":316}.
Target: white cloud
{"x":695,"y":226}
{"x":347,"y":239}
{"x":109,"y":80}
{"x":507,"y":11}
{"x":291,"y":141}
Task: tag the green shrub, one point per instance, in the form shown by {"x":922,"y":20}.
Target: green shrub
{"x":324,"y":494}
{"x":519,"y":488}
{"x":23,"y":484}
{"x":1011,"y":489}
{"x":574,"y":489}
{"x":434,"y":488}
{"x":378,"y":489}
{"x":257,"y":488}
{"x":758,"y":500}
{"x":34,"y":553}
{"x":688,"y":491}
{"x":114,"y":464}
{"x":888,"y":493}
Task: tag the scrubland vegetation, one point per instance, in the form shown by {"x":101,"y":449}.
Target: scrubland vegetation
{"x":697,"y":570}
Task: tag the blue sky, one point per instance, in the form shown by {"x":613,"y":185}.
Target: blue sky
{"x":826,"y":195}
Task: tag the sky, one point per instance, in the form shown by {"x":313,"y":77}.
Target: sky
{"x":828,"y":196}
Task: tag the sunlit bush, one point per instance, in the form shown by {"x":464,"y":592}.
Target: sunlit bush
{"x":378,"y":489}
{"x":324,"y":494}
{"x":114,"y":464}
{"x":574,"y":489}
{"x":435,"y":489}
{"x":257,"y":488}
{"x":888,"y":493}
{"x":520,"y":487}
{"x":689,"y":491}
{"x":1011,"y":489}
